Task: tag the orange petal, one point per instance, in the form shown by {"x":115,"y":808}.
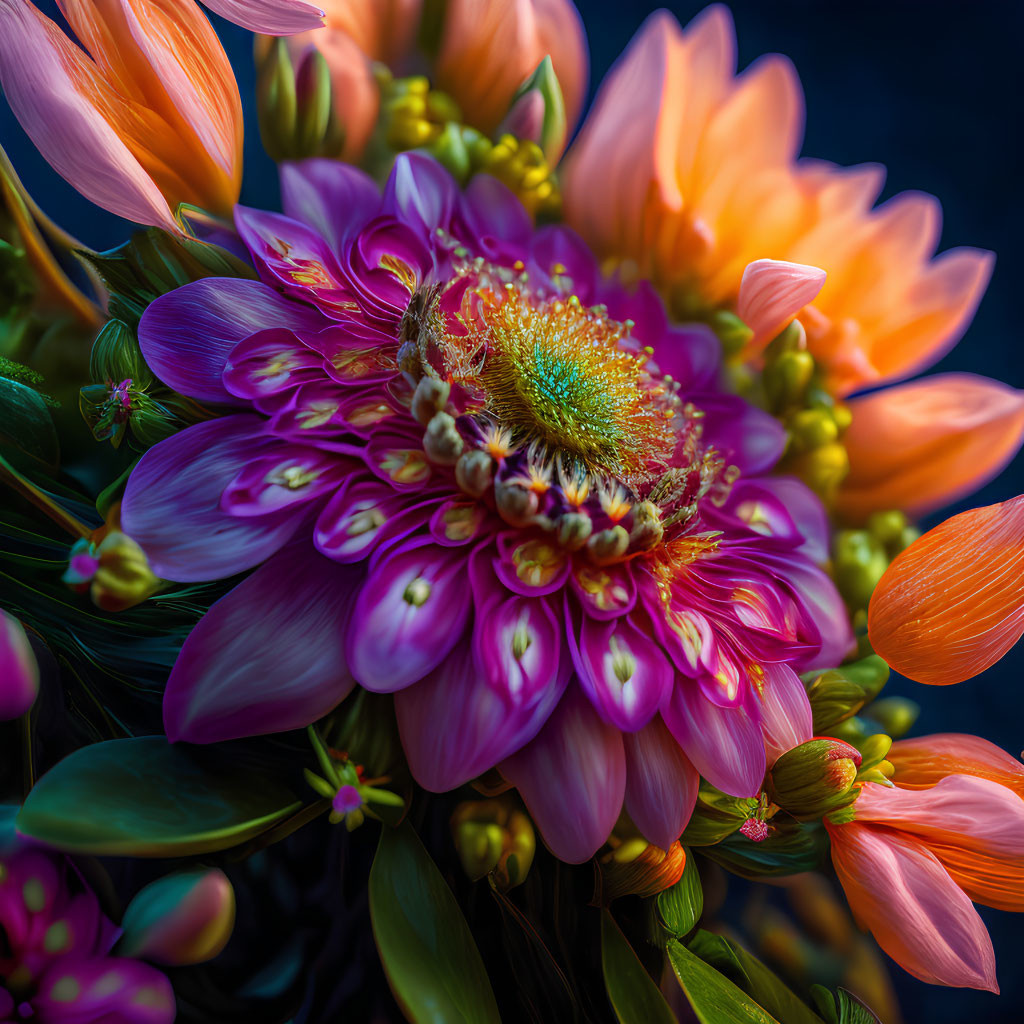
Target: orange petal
{"x":923,"y":760}
{"x":922,"y":445}
{"x":952,"y":604}
{"x":988,"y":879}
{"x":383,"y":29}
{"x":772,"y":292}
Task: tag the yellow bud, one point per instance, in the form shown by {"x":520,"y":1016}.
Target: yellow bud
{"x":638,"y":868}
{"x":786,"y":378}
{"x":123,"y":578}
{"x":494,"y":837}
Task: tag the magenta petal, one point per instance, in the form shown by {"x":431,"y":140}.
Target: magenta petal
{"x":270,"y":17}
{"x":172,"y":504}
{"x":661,"y":784}
{"x":724,"y":744}
{"x":282,"y":479}
{"x":268,"y":656}
{"x":786,"y":719}
{"x":420,"y":193}
{"x":622,"y":670}
{"x":409,"y":613}
{"x":572,"y":778}
{"x":113,"y":990}
{"x":187,"y":335}
{"x":786,"y":508}
{"x":746,"y":436}
{"x":19,"y":671}
{"x":333,"y":198}
{"x":268,"y":362}
{"x":455,"y":727}
{"x":517,"y":642}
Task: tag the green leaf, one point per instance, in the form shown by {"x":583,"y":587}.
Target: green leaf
{"x":681,"y":905}
{"x":145,"y":797}
{"x":27,"y":435}
{"x":842,"y":1007}
{"x":634,"y":996}
{"x":791,"y":848}
{"x":428,"y":952}
{"x":714,"y":998}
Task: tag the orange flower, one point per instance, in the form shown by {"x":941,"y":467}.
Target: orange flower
{"x":687,"y":174}
{"x":952,"y":604}
{"x":143,"y":116}
{"x":484,"y":52}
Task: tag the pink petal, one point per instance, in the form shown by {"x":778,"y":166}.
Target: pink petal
{"x":109,"y":989}
{"x":916,"y":912}
{"x":269,"y":17}
{"x":47,"y":81}
{"x":19,"y":672}
{"x":723,"y":744}
{"x":454,"y":726}
{"x":924,"y":760}
{"x":572,"y":778}
{"x":661,"y":784}
{"x":772,"y":293}
{"x":409,"y":614}
{"x":786,"y":719}
{"x":268,"y":656}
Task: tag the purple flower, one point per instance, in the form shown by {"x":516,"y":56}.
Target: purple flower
{"x":55,"y":962}
{"x":475,"y":473}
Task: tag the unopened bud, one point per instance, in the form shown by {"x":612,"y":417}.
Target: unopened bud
{"x":517,"y":505}
{"x":574,"y":528}
{"x":494,"y":837}
{"x":840,"y":693}
{"x":858,"y":562}
{"x":123,"y":577}
{"x":732,"y":332}
{"x":638,"y":868}
{"x":608,"y":545}
{"x":537,"y":112}
{"x":19,"y":671}
{"x":786,"y":378}
{"x":442,"y":442}
{"x":647,"y":530}
{"x":822,"y":469}
{"x":474,"y":472}
{"x":896,"y":715}
{"x":430,"y":397}
{"x":815,"y":778}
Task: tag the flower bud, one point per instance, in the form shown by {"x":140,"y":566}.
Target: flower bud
{"x":840,"y":693}
{"x":430,"y":397}
{"x":494,"y":837}
{"x":574,"y":529}
{"x":185,"y":918}
{"x":647,"y":530}
{"x":517,"y":505}
{"x":537,"y":112}
{"x":786,"y":378}
{"x":896,"y":715}
{"x":732,"y":332}
{"x":473,"y":472}
{"x":815,"y":778}
{"x":716,"y":815}
{"x":19,"y":671}
{"x":442,"y":442}
{"x":858,"y":562}
{"x":123,"y":577}
{"x":638,"y":868}
{"x":608,"y":545}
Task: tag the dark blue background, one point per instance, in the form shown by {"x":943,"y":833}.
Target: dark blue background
{"x":933,"y":91}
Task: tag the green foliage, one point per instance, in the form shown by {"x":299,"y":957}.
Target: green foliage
{"x":791,"y":847}
{"x":425,"y":945}
{"x":841,"y":1007}
{"x":145,"y":797}
{"x":28,"y":439}
{"x":681,"y":905}
{"x":840,"y":693}
{"x":633,"y":994}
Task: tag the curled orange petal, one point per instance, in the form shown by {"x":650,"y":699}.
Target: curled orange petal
{"x":952,"y":604}
{"x":923,"y":761}
{"x":921,"y":445}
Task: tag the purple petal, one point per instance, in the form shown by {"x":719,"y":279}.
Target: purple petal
{"x":493,"y":221}
{"x":268,"y":362}
{"x":517,"y":642}
{"x":748,"y":437}
{"x":270,"y":17}
{"x":409,"y":613}
{"x":604,"y":592}
{"x":319,"y":412}
{"x":661,"y":784}
{"x":172,"y":504}
{"x":723,"y":744}
{"x":333,"y":198}
{"x":187,"y":335}
{"x":421,"y":193}
{"x":690,"y":354}
{"x":19,"y":671}
{"x":557,"y":246}
{"x":353,"y":522}
{"x":786,"y":719}
{"x":455,"y":727}
{"x":572,"y":778}
{"x":268,"y":656}
{"x":112,"y":990}
{"x":531,"y":566}
{"x":284,"y":479}
{"x":622,"y":670}
{"x":785,"y":508}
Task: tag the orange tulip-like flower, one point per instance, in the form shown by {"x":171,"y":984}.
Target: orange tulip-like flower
{"x":952,"y":603}
{"x":481,"y":53}
{"x":915,"y":856}
{"x":688,"y":175}
{"x":144,"y":115}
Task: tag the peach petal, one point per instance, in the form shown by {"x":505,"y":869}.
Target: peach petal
{"x":952,"y":604}
{"x":917,"y":913}
{"x":922,"y":445}
{"x":772,"y":293}
{"x":924,"y":760}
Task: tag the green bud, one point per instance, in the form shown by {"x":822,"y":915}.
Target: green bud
{"x":449,"y":149}
{"x":896,"y":715}
{"x":494,"y":837}
{"x":858,"y":562}
{"x":811,"y":428}
{"x":732,"y":332}
{"x":822,"y":469}
{"x":314,"y":103}
{"x":786,"y":378}
{"x":815,"y":778}
{"x":537,"y":112}
{"x":840,"y":693}
{"x":276,"y":101}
